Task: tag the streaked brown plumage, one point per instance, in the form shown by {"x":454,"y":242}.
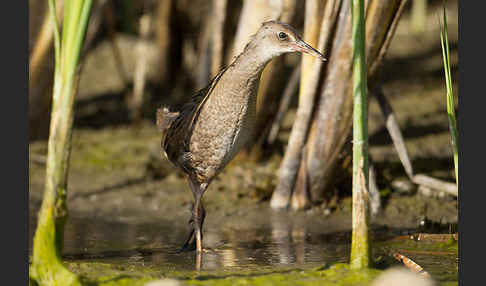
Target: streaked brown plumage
{"x":219,"y":120}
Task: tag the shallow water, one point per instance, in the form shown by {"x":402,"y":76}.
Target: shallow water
{"x":157,"y":245}
{"x":260,"y":249}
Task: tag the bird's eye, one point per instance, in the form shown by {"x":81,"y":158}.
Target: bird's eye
{"x":282,"y":36}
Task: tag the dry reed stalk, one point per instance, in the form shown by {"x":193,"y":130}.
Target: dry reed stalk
{"x":139,"y":76}
{"x":162,"y":32}
{"x":410,"y":264}
{"x":290,"y":164}
{"x":272,"y":81}
{"x":109,"y":14}
{"x":284,"y":105}
{"x":42,"y":45}
{"x":439,"y":185}
{"x":333,"y":117}
{"x":41,"y":76}
{"x":393,"y":128}
{"x":217,"y":31}
{"x":204,"y":56}
{"x":418,"y":16}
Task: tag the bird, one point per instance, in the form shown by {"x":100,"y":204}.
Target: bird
{"x":210,"y":129}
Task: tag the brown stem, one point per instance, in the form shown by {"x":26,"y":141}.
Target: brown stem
{"x":140,"y":73}
{"x":219,"y":15}
{"x":284,"y":104}
{"x":162,"y":29}
{"x":421,"y":179}
{"x":332,"y":120}
{"x":290,"y":164}
{"x":394,"y":131}
{"x":111,"y":24}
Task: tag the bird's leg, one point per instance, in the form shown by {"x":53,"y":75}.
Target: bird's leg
{"x":198,"y":212}
{"x":190,"y":241}
{"x":198,"y":215}
{"x":194,"y":239}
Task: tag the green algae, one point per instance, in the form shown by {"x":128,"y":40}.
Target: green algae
{"x":340,"y":274}
{"x":450,"y":245}
{"x":105,"y":274}
{"x":47,"y":267}
{"x":113,"y":149}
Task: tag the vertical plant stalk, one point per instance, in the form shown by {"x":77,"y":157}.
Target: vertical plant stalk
{"x":289,"y":167}
{"x":41,"y":76}
{"x":47,"y":267}
{"x":284,"y":105}
{"x":110,"y":20}
{"x":418,"y":21}
{"x":163,"y":36}
{"x":203,"y":74}
{"x":135,"y":103}
{"x":333,"y":117}
{"x":272,"y":81}
{"x":360,"y":245}
{"x":252,"y":15}
{"x":42,"y":47}
{"x":314,"y":12}
{"x":219,"y":8}
{"x":451,"y":113}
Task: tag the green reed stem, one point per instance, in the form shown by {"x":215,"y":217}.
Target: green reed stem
{"x":360,"y":245}
{"x":47,"y":267}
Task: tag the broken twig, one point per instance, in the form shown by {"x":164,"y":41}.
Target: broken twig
{"x":410,"y":264}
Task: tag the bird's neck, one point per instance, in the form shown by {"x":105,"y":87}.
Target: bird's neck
{"x":252,"y":60}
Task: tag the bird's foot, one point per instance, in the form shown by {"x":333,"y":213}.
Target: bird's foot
{"x":187,"y":247}
{"x":190,"y":243}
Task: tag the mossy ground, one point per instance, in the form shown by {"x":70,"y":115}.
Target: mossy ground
{"x":440,"y":259}
{"x":338,"y":274}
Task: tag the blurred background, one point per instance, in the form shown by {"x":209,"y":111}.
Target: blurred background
{"x":141,"y":55}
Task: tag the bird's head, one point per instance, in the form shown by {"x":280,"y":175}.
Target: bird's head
{"x":276,"y":38}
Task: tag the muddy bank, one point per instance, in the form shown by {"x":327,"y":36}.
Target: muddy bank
{"x":119,"y":174}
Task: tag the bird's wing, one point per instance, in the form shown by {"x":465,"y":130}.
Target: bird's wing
{"x":205,"y":96}
{"x":176,"y":143}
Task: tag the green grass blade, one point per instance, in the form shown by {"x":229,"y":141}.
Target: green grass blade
{"x":444,"y":41}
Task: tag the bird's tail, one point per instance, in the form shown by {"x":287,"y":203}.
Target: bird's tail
{"x":165,"y":118}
